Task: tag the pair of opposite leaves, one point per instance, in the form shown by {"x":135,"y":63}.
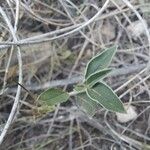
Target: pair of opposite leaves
{"x":93,"y":92}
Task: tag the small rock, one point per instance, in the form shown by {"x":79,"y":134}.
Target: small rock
{"x":130,"y":115}
{"x":136,"y":28}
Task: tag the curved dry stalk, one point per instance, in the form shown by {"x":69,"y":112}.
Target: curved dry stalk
{"x":76,"y":79}
{"x":79,"y":27}
{"x":74,"y":22}
{"x":139,"y":145}
{"x":126,"y":83}
{"x":17,"y":97}
{"x":139,"y":17}
{"x":7,"y":70}
{"x":117,"y":18}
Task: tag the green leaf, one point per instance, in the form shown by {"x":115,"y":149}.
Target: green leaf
{"x":87,"y":104}
{"x":53,"y":96}
{"x":95,"y":77}
{"x":100,"y":61}
{"x":103,"y":94}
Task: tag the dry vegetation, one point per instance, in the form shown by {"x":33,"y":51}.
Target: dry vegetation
{"x":47,"y":43}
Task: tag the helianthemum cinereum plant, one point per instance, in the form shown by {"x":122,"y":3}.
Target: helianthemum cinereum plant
{"x":92,"y":92}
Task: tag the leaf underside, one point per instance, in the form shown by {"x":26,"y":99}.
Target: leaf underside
{"x":95,"y":77}
{"x":87,"y":104}
{"x":103,"y":94}
{"x":101,"y":61}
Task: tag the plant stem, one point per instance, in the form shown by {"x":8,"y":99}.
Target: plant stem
{"x":73,"y":93}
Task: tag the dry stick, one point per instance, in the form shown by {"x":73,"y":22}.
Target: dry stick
{"x":51,"y":8}
{"x":87,"y":38}
{"x":146,"y":86}
{"x":77,"y":79}
{"x":12,"y":48}
{"x":101,"y":10}
{"x":33,"y":96}
{"x":78,"y":28}
{"x":70,"y":134}
{"x":16,"y":15}
{"x":139,"y":17}
{"x":80,"y":135}
{"x":142,"y":21}
{"x":132,"y":131}
{"x":77,"y":60}
{"x":118,"y":125}
{"x":126,"y":83}
{"x":6,"y":71}
{"x":40,"y":39}
{"x":39,"y":18}
{"x":30,"y":40}
{"x":146,"y":109}
{"x":128,"y":19}
{"x":16,"y":101}
{"x":124,"y":138}
{"x":148,"y":36}
{"x":74,"y":22}
{"x":134,"y":86}
{"x":120,"y":23}
{"x":11,"y":8}
{"x":53,"y":120}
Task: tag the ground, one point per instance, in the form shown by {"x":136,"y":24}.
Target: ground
{"x":47,"y":44}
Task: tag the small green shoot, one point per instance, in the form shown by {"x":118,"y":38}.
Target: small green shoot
{"x":93,"y":93}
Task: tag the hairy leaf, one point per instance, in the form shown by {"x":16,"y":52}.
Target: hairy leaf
{"x":104,"y":95}
{"x":87,"y":104}
{"x":95,"y":77}
{"x":100,"y":61}
{"x":53,"y":96}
